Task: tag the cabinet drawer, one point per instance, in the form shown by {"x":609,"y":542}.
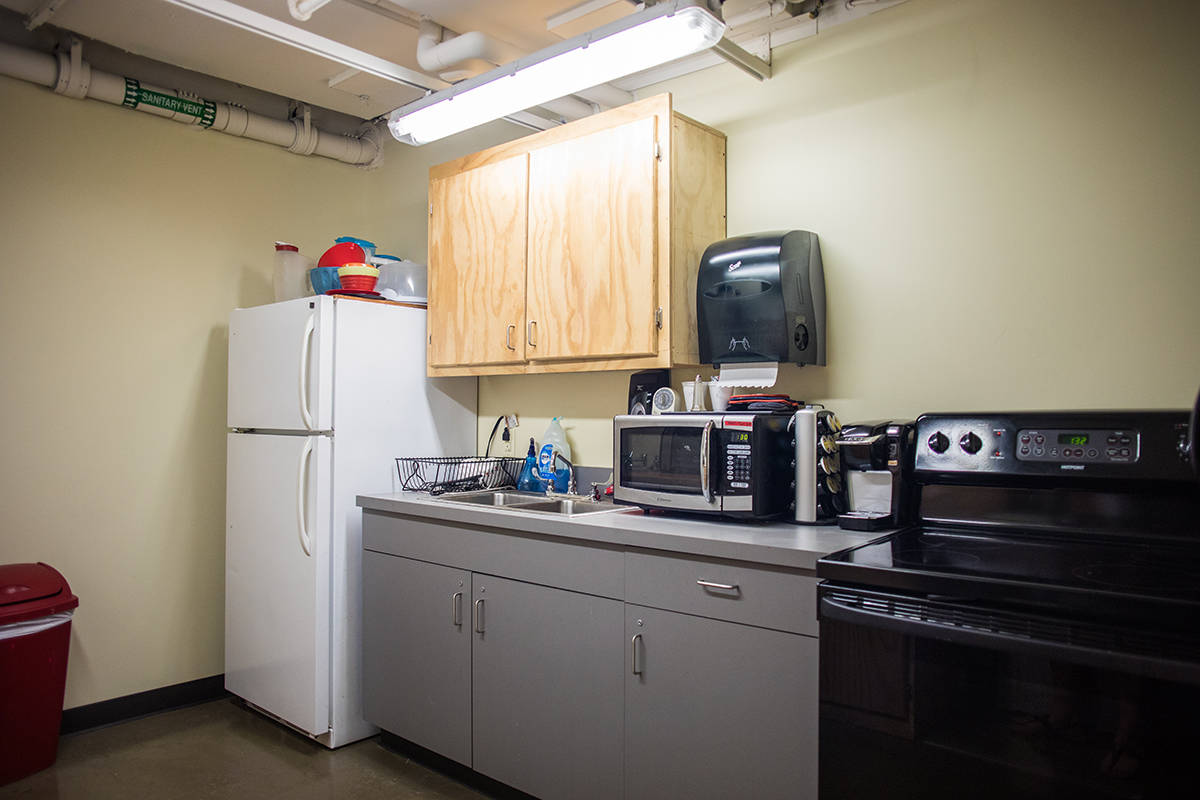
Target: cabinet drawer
{"x":579,"y":567}
{"x":769,"y":597}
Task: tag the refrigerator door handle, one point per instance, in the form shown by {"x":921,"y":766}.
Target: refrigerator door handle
{"x":305,"y":351}
{"x":301,"y":485}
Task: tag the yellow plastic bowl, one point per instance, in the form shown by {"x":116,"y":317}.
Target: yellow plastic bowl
{"x":358,"y":269}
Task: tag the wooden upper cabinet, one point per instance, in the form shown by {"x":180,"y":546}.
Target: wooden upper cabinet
{"x":590,"y":286}
{"x":477,"y":241}
{"x":575,"y":248}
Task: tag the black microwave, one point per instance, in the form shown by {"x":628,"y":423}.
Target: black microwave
{"x":733,"y":465}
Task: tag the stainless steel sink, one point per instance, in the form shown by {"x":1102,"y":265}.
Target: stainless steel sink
{"x":569,"y":506}
{"x":491,"y":498}
{"x":565,"y":506}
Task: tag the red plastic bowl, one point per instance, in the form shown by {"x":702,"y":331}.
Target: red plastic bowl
{"x":342,"y":254}
{"x":358,"y":283}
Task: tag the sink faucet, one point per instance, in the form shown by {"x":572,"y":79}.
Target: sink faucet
{"x":571,"y":486}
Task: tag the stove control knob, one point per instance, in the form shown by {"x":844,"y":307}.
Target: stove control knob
{"x":970,"y":443}
{"x":938,"y":443}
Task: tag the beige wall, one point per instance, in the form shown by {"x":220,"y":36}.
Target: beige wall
{"x":126,"y":241}
{"x":1006,"y":194}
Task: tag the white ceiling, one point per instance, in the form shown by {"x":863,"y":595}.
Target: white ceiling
{"x":165,"y":32}
{"x":170,"y":32}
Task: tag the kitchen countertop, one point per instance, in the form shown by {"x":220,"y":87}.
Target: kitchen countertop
{"x":779,"y":544}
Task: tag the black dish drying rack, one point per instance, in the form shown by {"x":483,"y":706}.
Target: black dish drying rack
{"x":458,"y":473}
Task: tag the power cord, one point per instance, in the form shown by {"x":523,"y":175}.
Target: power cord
{"x":492,"y":435}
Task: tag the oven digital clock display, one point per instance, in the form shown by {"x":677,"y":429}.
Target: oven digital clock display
{"x":1074,"y":448}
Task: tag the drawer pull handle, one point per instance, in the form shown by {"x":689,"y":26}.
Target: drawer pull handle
{"x":456,"y":609}
{"x":728,"y":587}
{"x":636,"y":671}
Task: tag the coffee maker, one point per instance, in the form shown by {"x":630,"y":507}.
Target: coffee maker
{"x":877,"y":459}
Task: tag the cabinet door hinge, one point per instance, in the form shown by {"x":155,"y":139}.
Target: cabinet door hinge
{"x":658,"y":318}
{"x":431,"y":209}
{"x":658,"y":150}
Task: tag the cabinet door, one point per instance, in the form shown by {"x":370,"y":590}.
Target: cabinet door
{"x":592,"y":277}
{"x":477,"y":265}
{"x":717,"y":709}
{"x":547,"y":690}
{"x":417,"y":652}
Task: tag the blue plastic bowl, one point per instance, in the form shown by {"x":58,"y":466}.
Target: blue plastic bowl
{"x":324,"y":279}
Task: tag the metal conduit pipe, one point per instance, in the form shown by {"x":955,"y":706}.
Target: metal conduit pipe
{"x":68,"y":74}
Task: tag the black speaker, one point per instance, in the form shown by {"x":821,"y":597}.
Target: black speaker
{"x":643,"y":385}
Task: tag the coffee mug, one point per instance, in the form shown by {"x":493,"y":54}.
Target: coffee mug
{"x":720,"y":394}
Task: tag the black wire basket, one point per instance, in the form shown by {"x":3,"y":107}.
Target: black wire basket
{"x":458,"y":473}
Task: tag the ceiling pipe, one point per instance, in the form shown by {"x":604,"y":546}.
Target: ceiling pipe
{"x":68,"y":74}
{"x":441,"y":57}
{"x":303,"y":9}
{"x":438,"y":56}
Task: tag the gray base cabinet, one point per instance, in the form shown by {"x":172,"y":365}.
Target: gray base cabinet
{"x":714,"y":709}
{"x":548,"y":691}
{"x":417,"y":652}
{"x":577,"y":670}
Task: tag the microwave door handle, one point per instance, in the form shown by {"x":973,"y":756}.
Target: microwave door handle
{"x":706,"y":461}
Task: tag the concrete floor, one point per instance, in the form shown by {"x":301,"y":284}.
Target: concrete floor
{"x":224,"y":750}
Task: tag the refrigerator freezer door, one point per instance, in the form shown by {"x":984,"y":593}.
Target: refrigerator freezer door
{"x":281,"y":366}
{"x":277,"y":554}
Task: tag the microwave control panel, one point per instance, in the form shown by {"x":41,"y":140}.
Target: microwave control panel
{"x":735,"y":444}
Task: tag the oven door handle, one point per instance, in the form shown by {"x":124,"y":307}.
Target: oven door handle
{"x":706,"y":461}
{"x":1162,"y":668}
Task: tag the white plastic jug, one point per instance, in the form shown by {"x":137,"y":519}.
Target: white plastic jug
{"x":555,"y":439}
{"x":291,"y":273}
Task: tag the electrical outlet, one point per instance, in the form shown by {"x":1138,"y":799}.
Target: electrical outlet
{"x":506,"y":448}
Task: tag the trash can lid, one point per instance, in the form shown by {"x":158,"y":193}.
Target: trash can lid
{"x":28,"y":591}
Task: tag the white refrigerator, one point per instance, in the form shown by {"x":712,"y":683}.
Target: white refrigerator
{"x":324,"y":394}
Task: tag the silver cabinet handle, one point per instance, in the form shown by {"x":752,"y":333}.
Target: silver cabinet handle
{"x":636,"y":671}
{"x":729,"y":587}
{"x":508,"y":332}
{"x":705,"y":461}
{"x":529,"y":335}
{"x":479,"y":616}
{"x":456,"y":609}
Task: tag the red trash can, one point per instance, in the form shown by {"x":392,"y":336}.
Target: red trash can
{"x":35,"y":633}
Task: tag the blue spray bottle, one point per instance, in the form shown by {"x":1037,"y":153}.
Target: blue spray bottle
{"x":528,"y":482}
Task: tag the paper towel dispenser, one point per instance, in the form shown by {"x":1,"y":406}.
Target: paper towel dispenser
{"x":761,"y":298}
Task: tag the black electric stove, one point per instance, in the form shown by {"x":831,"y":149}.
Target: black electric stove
{"x":1073,"y":535}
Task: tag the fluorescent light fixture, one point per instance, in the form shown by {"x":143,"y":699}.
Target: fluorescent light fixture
{"x":657,"y":34}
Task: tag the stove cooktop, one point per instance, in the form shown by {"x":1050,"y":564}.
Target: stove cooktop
{"x":1104,"y":578}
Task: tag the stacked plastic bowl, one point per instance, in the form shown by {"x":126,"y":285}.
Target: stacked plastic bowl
{"x":358,"y":277}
